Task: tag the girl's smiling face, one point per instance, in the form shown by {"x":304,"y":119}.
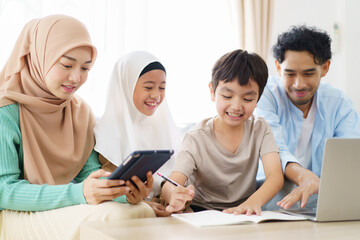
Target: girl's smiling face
{"x":150,"y":91}
{"x":69,"y":73}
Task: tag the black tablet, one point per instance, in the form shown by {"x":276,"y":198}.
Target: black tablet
{"x":139,"y":163}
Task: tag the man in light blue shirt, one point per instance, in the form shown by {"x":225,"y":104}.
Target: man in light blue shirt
{"x":302,"y":111}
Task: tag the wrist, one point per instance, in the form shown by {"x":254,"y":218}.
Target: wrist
{"x":307,"y":176}
{"x":295,"y":172}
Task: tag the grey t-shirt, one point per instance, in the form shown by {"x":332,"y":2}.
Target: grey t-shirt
{"x":223,"y":179}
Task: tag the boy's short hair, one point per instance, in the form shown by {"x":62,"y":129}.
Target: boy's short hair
{"x":303,"y":38}
{"x":241,"y":65}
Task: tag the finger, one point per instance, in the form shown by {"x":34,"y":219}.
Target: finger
{"x":99,"y":173}
{"x":105,"y":183}
{"x":229,"y":210}
{"x":114,"y":191}
{"x":118,"y":195}
{"x":141,"y":188}
{"x":190,"y":190}
{"x":180,"y":190}
{"x":249,"y":212}
{"x":240,"y":210}
{"x":289,"y":204}
{"x":155,"y":205}
{"x":101,"y":198}
{"x":159,"y":210}
{"x":160,"y":207}
{"x":149,"y":180}
{"x":183,"y":197}
{"x":130,"y":198}
{"x":161,"y":213}
{"x":304,"y":199}
{"x":176,"y":205}
{"x":177,"y":200}
{"x":136,"y":195}
{"x":282,"y":202}
{"x":169,"y":209}
{"x":258,"y":212}
{"x":172,"y":208}
{"x":288,"y":201}
{"x":132,"y":187}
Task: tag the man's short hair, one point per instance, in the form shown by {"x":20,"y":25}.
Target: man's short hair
{"x":242,"y":66}
{"x":303,"y":38}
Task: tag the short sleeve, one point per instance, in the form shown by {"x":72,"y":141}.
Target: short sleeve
{"x":268,"y":143}
{"x":185,"y":161}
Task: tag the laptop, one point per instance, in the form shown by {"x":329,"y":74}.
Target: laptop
{"x":339,"y":190}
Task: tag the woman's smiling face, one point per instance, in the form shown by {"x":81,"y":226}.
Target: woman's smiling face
{"x":69,"y":73}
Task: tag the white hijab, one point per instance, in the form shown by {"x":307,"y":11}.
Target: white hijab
{"x":123,"y":129}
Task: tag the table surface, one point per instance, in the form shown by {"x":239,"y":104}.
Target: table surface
{"x":170,"y":228}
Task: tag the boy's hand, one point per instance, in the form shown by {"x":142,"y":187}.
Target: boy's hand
{"x":179,"y":197}
{"x":139,"y":193}
{"x":248,"y":207}
{"x":98,"y":190}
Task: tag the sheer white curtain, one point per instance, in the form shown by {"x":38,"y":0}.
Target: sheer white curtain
{"x":252,"y":20}
{"x":116,"y":27}
{"x":187,"y":36}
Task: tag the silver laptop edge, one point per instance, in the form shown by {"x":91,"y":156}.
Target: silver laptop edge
{"x":339,"y":191}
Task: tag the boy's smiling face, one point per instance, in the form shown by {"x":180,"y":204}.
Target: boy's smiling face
{"x":234,"y":103}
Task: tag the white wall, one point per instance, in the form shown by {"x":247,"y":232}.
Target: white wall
{"x":351,"y":47}
{"x":324,"y":14}
{"x":188,"y":46}
{"x":187,"y":36}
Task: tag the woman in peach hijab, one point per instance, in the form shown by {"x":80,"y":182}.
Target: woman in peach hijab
{"x":49,"y":172}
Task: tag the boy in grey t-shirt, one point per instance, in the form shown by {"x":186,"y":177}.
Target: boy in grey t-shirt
{"x":220,"y":156}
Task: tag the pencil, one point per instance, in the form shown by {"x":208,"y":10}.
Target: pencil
{"x":168,"y":179}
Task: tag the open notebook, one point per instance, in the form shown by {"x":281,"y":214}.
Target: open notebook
{"x":217,"y":218}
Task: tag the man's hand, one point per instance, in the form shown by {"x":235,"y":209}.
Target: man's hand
{"x":308,"y":184}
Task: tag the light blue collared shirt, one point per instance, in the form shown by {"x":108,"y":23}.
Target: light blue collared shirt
{"x":334,"y":117}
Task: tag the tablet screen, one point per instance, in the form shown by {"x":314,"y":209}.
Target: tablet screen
{"x":139,"y":163}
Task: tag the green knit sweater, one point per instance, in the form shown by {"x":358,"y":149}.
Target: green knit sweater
{"x":17,"y":193}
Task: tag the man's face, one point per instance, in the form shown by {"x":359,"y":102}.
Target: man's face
{"x":301,"y":77}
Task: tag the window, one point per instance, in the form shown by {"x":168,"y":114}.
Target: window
{"x":187,"y":36}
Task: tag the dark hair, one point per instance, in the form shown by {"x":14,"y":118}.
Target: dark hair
{"x":303,"y":38}
{"x":242,"y":66}
{"x":152,"y":66}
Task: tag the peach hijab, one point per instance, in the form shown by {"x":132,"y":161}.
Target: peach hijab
{"x":57,"y":134}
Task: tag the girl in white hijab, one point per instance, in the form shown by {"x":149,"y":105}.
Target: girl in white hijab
{"x":137,"y":116}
